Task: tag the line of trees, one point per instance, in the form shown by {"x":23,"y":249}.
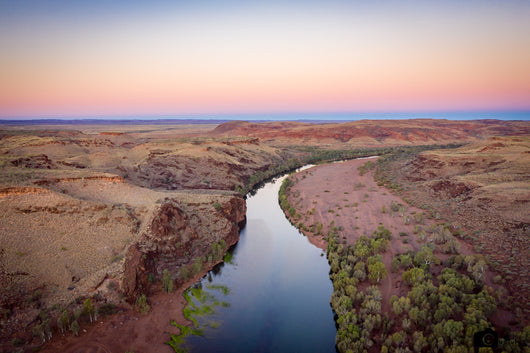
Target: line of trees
{"x":438,"y":313}
{"x":307,"y":155}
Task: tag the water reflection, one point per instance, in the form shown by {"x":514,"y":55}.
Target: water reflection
{"x":277,"y":289}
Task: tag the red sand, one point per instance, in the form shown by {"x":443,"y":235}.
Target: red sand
{"x":338,"y":194}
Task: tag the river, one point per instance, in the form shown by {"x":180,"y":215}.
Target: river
{"x":273,"y":296}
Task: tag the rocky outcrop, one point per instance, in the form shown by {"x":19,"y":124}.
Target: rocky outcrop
{"x":213,"y":165}
{"x":15,"y":190}
{"x":452,"y":188}
{"x":40,"y":161}
{"x":109,"y":178}
{"x":181,"y":232}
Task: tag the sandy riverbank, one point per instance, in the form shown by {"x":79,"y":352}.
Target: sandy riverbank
{"x":338,"y":196}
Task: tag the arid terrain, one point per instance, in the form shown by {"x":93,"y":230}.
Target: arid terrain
{"x":102,"y":211}
{"x":482,"y":190}
{"x":469,"y":204}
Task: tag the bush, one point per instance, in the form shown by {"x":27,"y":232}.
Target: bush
{"x":74,"y":327}
{"x":151,"y":278}
{"x":196,"y":267}
{"x":413,"y":276}
{"x":142,"y":305}
{"x":89,"y":309}
{"x":108,"y":309}
{"x":167,"y":282}
{"x":376,"y":272}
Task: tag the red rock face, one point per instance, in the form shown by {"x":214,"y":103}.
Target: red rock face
{"x":179,"y":233}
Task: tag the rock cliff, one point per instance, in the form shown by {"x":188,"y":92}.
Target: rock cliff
{"x":181,"y":232}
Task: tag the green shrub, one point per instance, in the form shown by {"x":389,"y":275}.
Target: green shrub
{"x":167,"y":282}
{"x":142,"y":305}
{"x":74,"y":327}
{"x":151,"y":278}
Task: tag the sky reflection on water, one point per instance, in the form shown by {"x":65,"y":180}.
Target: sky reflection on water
{"x":279,"y":289}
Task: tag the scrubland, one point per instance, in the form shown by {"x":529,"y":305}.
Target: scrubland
{"x":93,"y":216}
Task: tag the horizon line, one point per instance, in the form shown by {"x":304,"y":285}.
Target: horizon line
{"x":297,"y":116}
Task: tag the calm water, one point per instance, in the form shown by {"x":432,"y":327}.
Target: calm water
{"x":279,"y":289}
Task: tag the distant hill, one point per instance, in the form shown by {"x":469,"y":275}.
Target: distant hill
{"x":375,"y":132}
{"x":111,"y":121}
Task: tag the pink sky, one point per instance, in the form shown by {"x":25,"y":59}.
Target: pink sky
{"x":267,"y":59}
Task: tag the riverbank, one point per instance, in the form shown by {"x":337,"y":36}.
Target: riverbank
{"x":341,"y":195}
{"x":343,"y":198}
{"x":129,"y":330}
{"x":339,"y":206}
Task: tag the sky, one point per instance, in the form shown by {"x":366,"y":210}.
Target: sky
{"x":99,"y":58}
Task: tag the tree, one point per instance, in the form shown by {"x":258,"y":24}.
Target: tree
{"x":142,"y":305}
{"x":74,"y":327}
{"x":38,"y":331}
{"x":371,"y":306}
{"x":413,"y":276}
{"x":406,"y":260}
{"x":425,"y":257}
{"x":398,"y":337}
{"x":362,"y":251}
{"x":167,"y":282}
{"x":63,"y":321}
{"x":359,"y":271}
{"x":377,"y":272}
{"x":196,"y":267}
{"x":395,"y":265}
{"x":406,"y":324}
{"x":477,"y":271}
{"x":419,"y":341}
{"x":400,"y":304}
{"x":453,"y":331}
{"x":451,"y":247}
{"x":382,"y":233}
{"x":442,"y":312}
{"x":89,"y":309}
{"x":184,"y":273}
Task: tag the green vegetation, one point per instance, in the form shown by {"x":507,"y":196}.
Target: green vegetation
{"x":443,"y":305}
{"x":177,"y":341}
{"x":228,"y":258}
{"x":366,"y":167}
{"x":438,"y":312}
{"x":74,"y":327}
{"x":217,"y":251}
{"x":383,"y":173}
{"x":142,"y":305}
{"x":90,"y":310}
{"x":167,"y":282}
{"x":116,"y":258}
{"x":201,"y":303}
{"x":308,"y":155}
